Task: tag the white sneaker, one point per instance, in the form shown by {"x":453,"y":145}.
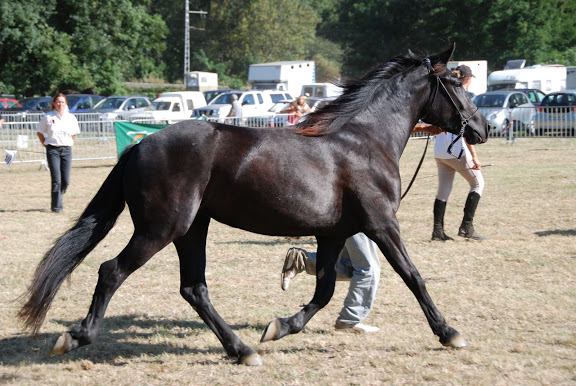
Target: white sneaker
{"x":358,"y":328}
{"x":293,"y":265}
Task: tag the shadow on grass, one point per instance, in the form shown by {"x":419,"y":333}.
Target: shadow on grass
{"x":24,"y":210}
{"x":117,"y":342}
{"x":560,"y":232}
{"x":278,"y":241}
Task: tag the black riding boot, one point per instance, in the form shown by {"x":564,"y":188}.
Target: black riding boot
{"x":438,"y":231}
{"x":466,"y":228}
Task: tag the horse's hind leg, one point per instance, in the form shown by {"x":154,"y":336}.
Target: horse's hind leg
{"x":111,"y":275}
{"x":192,"y":253}
{"x":327,"y":254}
{"x":390,"y":243}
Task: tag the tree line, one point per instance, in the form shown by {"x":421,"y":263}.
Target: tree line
{"x":50,"y":45}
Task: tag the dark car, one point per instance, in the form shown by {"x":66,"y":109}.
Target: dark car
{"x":29,"y":106}
{"x":81,"y":103}
{"x":33,"y":104}
{"x":6,"y":103}
{"x":209,"y":95}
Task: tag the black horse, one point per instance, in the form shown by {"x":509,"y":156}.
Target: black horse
{"x":331,"y":176}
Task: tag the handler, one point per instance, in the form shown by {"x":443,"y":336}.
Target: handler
{"x":358,"y":263}
{"x":57,"y":130}
{"x":462,"y":159}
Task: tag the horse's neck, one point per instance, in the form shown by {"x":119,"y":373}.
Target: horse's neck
{"x":394,"y":125}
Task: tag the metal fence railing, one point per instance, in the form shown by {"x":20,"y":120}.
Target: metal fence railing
{"x":97,"y":139}
{"x":521,"y":122}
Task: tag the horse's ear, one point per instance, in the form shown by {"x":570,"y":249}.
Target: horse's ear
{"x":440,"y":60}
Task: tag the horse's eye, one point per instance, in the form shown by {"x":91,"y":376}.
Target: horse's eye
{"x":457,"y":84}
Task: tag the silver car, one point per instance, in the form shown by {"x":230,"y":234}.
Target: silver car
{"x":121,"y":107}
{"x":506,"y":109}
{"x":557,"y":114}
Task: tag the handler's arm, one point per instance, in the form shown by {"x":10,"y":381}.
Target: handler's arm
{"x":41,"y":137}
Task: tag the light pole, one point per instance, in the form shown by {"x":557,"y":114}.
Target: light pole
{"x":187,"y":40}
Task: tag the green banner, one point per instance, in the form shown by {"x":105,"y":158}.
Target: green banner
{"x":128,"y":133}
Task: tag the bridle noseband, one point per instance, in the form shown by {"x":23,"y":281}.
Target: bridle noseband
{"x":432,"y":98}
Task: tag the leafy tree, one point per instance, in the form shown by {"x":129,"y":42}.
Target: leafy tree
{"x":46,"y":45}
{"x":257,"y":31}
{"x":32,"y":54}
{"x":495,"y":30}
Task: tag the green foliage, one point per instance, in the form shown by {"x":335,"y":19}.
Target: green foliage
{"x":47,"y":45}
{"x":50,"y":45}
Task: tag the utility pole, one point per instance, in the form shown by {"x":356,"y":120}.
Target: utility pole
{"x":187,"y":40}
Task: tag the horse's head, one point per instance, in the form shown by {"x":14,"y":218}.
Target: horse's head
{"x":449,"y":105}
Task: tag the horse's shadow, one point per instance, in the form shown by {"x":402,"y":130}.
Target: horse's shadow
{"x":24,"y":210}
{"x":560,"y":232}
{"x":118,"y":340}
{"x":291,"y":241}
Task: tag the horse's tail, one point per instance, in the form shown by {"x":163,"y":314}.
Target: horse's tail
{"x":73,"y":246}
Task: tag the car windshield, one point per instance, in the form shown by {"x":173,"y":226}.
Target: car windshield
{"x":224,"y":99}
{"x":561,"y":99}
{"x":110,"y":103}
{"x":72,"y":100}
{"x":160,"y":106}
{"x":490,"y":100}
{"x":277,"y":107}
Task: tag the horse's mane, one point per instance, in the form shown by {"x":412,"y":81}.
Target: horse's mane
{"x":357,"y":95}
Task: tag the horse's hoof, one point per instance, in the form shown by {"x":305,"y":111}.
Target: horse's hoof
{"x":271,"y":332}
{"x":64,"y":344}
{"x":456,"y":342}
{"x":252,"y":360}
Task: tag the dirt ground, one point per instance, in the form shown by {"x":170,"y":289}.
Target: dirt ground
{"x":512,"y":297}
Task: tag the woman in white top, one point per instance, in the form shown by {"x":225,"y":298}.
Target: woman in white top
{"x":462,"y":159}
{"x":57,"y":130}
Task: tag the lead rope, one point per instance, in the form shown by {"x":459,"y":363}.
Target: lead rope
{"x":417,"y":168}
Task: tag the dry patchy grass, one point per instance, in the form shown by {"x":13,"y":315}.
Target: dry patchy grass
{"x":512,"y":297}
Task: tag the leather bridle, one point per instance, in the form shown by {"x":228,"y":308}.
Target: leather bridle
{"x":464,"y":121}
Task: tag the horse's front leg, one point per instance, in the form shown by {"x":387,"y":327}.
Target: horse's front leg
{"x":387,"y":236}
{"x":192,"y":253}
{"x":327,"y":254}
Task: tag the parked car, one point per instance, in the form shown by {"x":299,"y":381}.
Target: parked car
{"x":534,"y":95}
{"x":273,"y":117}
{"x":81,"y":103}
{"x":504,"y":109}
{"x":278,"y":96}
{"x":171,"y":107}
{"x":254,"y":103}
{"x":209,"y":95}
{"x":6,"y":103}
{"x":121,"y":107}
{"x":316,"y":102}
{"x":30,"y":105}
{"x":557,"y":112}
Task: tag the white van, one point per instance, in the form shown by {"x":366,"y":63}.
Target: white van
{"x":321,"y":90}
{"x":171,"y":107}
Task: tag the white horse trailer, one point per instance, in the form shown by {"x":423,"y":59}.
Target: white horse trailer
{"x":548,"y":78}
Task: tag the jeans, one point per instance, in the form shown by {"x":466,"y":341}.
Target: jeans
{"x":60,"y":163}
{"x":360,"y":264}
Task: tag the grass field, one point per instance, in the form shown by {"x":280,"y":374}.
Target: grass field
{"x":512,"y":297}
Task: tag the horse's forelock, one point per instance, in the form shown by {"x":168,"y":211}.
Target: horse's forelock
{"x":356,"y":95}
